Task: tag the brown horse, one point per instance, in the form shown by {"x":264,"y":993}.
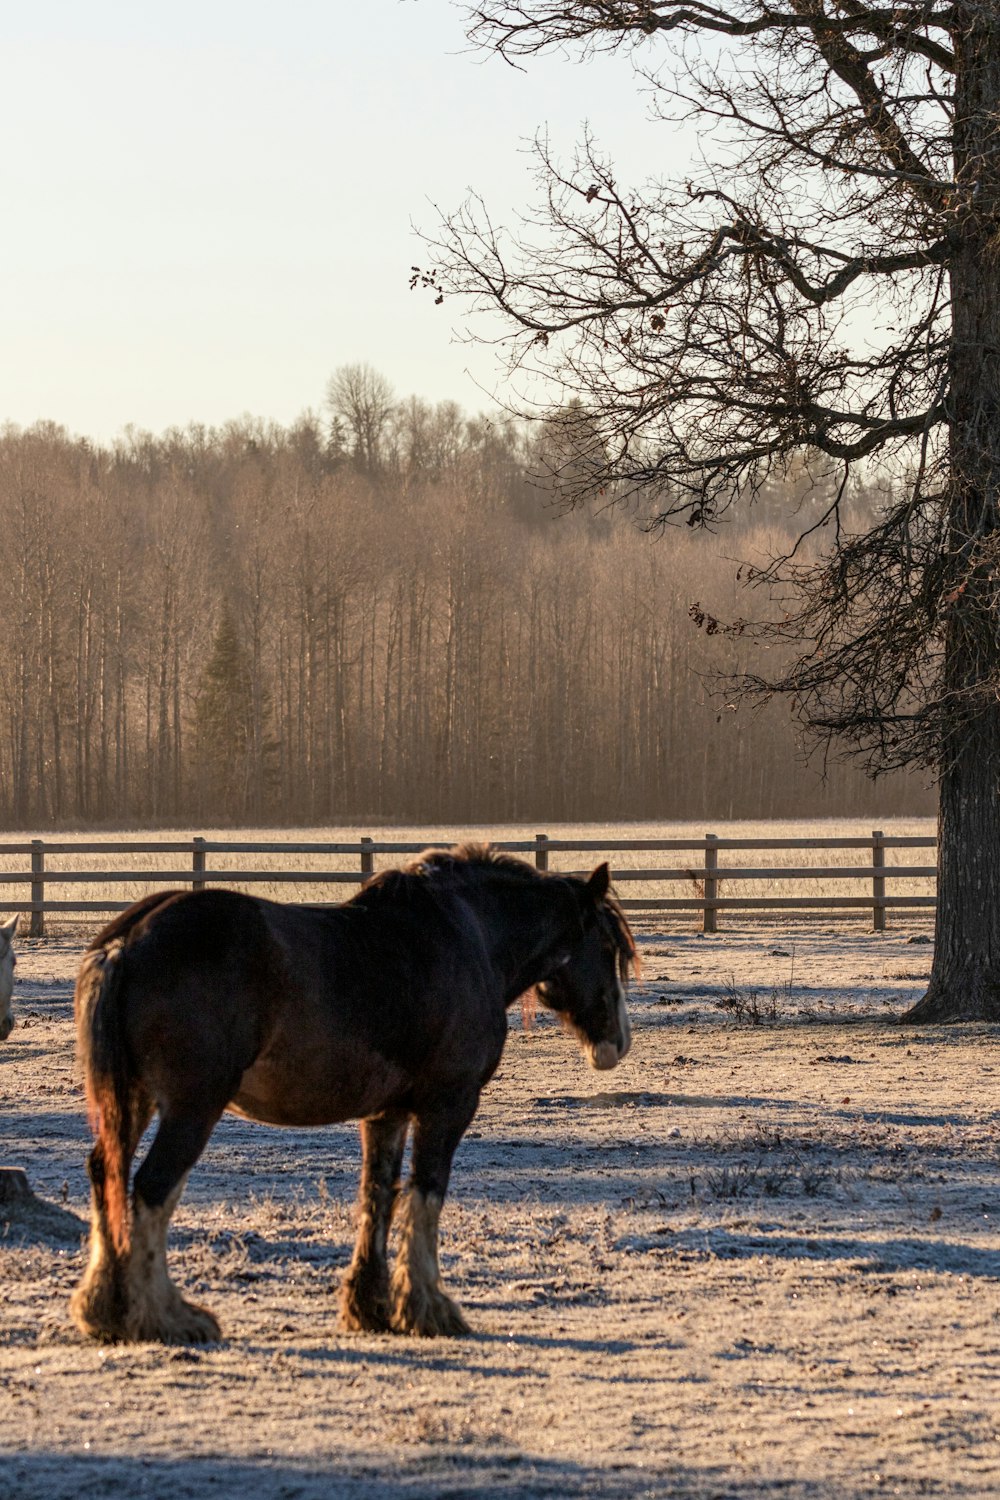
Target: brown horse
{"x":391,"y":1009}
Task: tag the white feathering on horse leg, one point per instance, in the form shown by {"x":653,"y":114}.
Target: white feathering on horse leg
{"x":155,"y":1308}
{"x":419,"y":1303}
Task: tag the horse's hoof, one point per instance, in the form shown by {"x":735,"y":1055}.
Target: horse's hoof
{"x":352,"y":1320}
{"x":181,"y":1323}
{"x":363,"y":1311}
{"x":199,"y":1326}
{"x":98,"y":1313}
{"x":428,"y":1314}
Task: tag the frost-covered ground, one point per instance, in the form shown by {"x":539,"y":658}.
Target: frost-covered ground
{"x":760,"y":1259}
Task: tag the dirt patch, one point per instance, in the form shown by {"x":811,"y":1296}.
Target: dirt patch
{"x":761,"y":1260}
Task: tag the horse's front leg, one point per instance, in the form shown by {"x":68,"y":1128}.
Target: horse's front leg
{"x":364,"y":1298}
{"x":419,"y":1302}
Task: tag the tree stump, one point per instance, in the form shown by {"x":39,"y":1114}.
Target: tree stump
{"x":14,"y":1186}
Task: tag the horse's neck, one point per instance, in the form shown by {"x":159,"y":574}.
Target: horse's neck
{"x":525,"y":933}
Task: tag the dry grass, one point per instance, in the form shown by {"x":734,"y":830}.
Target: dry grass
{"x":165,"y":869}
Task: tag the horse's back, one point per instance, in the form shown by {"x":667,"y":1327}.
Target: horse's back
{"x":300,"y":1016}
{"x":382,"y":1003}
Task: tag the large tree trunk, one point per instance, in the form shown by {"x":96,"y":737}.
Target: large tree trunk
{"x":965,"y":978}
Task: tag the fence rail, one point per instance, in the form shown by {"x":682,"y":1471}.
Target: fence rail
{"x":707,"y":878}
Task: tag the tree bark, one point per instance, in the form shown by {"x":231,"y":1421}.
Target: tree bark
{"x":965,"y":976}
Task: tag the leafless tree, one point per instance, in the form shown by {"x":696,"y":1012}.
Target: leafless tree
{"x":827,"y":290}
{"x":362,"y":401}
{"x":238,"y":625}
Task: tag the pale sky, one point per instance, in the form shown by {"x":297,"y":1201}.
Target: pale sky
{"x":207,"y":206}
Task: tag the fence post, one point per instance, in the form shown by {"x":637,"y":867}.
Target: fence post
{"x":36,"y":927}
{"x":541,"y":851}
{"x":878,"y":881}
{"x":367,"y":858}
{"x":711,"y":923}
{"x":198,"y":865}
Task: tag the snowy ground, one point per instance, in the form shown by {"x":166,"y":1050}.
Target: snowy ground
{"x":760,"y":1259}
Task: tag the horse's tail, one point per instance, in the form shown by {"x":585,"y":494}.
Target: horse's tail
{"x":110,"y":1086}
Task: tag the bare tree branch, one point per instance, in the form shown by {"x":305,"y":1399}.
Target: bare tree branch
{"x":827,"y":292}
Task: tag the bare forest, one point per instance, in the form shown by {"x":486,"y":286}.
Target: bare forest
{"x":374,"y":615}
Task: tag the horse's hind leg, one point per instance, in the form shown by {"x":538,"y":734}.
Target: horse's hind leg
{"x":364,"y":1297}
{"x":155,"y":1308}
{"x":98,"y":1303}
{"x":419,"y":1302}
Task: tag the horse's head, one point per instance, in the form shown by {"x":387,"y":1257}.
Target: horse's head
{"x":587,"y":986}
{"x":7,"y":961}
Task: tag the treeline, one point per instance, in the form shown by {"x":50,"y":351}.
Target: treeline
{"x":338,"y":621}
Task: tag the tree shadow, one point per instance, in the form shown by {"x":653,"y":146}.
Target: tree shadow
{"x":865,"y":1255}
{"x":35,"y":1221}
{"x":409,"y":1470}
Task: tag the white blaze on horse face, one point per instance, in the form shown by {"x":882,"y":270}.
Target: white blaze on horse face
{"x":606,"y":1055}
{"x":7,"y":931}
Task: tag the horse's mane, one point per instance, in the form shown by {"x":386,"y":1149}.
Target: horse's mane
{"x":629,"y":962}
{"x":464,"y":863}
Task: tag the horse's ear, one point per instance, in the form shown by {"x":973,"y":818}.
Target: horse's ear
{"x":8,"y":929}
{"x":600,"y":882}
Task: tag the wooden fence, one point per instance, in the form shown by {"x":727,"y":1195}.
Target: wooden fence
{"x":707,"y":880}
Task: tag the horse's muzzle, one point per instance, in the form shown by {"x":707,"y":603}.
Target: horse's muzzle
{"x":604,"y":1055}
{"x":608,"y":1054}
{"x":6,"y":1027}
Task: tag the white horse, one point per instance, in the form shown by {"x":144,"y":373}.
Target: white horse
{"x":7,"y":962}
